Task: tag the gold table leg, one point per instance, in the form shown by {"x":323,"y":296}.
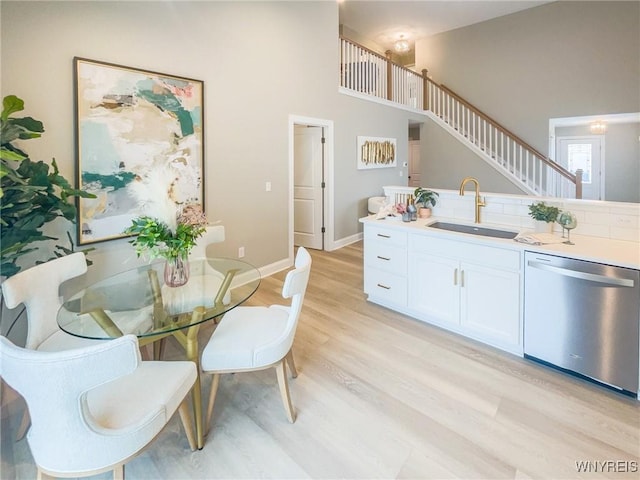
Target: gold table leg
{"x":189,"y":342}
{"x":105,"y":323}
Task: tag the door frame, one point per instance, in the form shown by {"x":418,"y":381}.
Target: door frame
{"x":328,"y":203}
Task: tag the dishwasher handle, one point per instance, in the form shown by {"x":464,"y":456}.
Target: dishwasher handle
{"x":592,"y":277}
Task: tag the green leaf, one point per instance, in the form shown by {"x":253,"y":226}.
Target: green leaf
{"x":11,"y":104}
{"x":29,"y":124}
{"x":10,"y":155}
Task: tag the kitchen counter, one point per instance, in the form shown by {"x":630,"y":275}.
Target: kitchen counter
{"x":594,"y":249}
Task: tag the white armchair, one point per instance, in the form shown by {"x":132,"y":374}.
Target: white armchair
{"x":38,"y":289}
{"x":213,"y":234}
{"x":94,"y":408}
{"x":256,"y":338}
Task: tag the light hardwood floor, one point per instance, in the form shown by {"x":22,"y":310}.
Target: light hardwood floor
{"x":380,"y":395}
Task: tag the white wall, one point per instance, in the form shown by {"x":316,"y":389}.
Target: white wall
{"x":260,"y":62}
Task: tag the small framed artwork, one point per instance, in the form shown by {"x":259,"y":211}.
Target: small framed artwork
{"x":139,"y":137}
{"x":376,"y":152}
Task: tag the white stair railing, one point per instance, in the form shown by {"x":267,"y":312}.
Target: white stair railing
{"x":369,"y":73}
{"x":365,"y":71}
{"x":522,"y":163}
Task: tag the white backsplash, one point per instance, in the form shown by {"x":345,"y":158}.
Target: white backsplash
{"x":615,"y":220}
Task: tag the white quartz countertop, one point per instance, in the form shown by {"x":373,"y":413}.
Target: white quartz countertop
{"x":594,"y":249}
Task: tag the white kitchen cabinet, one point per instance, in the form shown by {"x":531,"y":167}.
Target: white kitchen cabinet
{"x":468,"y":288}
{"x":490,"y":304}
{"x":433,"y":289}
{"x":385,"y":266}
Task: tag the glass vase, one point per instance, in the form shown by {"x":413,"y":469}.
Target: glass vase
{"x":176,"y":272}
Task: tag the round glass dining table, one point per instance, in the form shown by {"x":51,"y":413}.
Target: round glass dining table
{"x":138,"y":302}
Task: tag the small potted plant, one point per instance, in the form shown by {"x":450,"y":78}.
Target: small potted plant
{"x":544,"y":215}
{"x":427,"y":198}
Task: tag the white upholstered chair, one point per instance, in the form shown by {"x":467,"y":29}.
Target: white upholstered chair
{"x":94,"y":408}
{"x":256,"y":338}
{"x":213,"y":234}
{"x":38,"y":289}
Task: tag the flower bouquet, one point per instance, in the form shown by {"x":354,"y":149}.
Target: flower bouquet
{"x":170,"y":219}
{"x":156,"y":238}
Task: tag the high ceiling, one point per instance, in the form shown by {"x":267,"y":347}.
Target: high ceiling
{"x":384,"y":22}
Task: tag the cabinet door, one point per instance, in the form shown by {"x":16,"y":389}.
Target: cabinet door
{"x":433,"y":288}
{"x":490,"y":304}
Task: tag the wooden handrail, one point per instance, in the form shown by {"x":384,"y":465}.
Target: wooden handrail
{"x":543,"y":158}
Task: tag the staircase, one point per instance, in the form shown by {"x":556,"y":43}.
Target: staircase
{"x":371,"y":74}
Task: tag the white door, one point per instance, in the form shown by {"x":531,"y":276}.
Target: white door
{"x":584,"y":153}
{"x":308,"y":187}
{"x":414,"y":163}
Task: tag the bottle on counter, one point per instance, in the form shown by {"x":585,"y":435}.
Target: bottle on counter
{"x":412,"y":209}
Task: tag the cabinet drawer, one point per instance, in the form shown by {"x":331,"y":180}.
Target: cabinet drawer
{"x":466,"y":252}
{"x":386,"y":257}
{"x":385,"y":236}
{"x":386,"y":286}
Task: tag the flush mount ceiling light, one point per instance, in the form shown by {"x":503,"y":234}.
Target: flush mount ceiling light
{"x":402,"y":45}
{"x":598,"y":127}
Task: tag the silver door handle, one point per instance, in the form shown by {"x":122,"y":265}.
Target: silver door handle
{"x":592,"y":277}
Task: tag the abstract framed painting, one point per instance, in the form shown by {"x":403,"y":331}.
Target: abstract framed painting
{"x":139,"y":140}
{"x":376,"y":152}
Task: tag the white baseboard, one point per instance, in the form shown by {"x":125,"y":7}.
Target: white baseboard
{"x":343,"y":242}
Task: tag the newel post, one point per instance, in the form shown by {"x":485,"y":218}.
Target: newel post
{"x":389,"y":76}
{"x":579,"y":183}
{"x":425,"y":89}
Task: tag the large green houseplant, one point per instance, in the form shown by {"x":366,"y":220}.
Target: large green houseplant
{"x":32,"y":195}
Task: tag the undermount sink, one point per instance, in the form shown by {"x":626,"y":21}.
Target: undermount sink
{"x":473,"y":230}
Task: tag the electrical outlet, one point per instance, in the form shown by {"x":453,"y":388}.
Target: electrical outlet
{"x":240,"y":252}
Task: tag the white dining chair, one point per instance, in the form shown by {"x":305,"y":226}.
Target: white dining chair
{"x":94,"y":408}
{"x":37,"y":288}
{"x":213,"y":234}
{"x":257,"y":338}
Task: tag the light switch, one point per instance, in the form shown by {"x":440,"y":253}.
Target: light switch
{"x":267,"y":186}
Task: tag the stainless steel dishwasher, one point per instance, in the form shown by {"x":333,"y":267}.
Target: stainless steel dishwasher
{"x":583,"y":317}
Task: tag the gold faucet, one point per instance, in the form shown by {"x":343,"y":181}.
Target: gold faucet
{"x":479,"y":201}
